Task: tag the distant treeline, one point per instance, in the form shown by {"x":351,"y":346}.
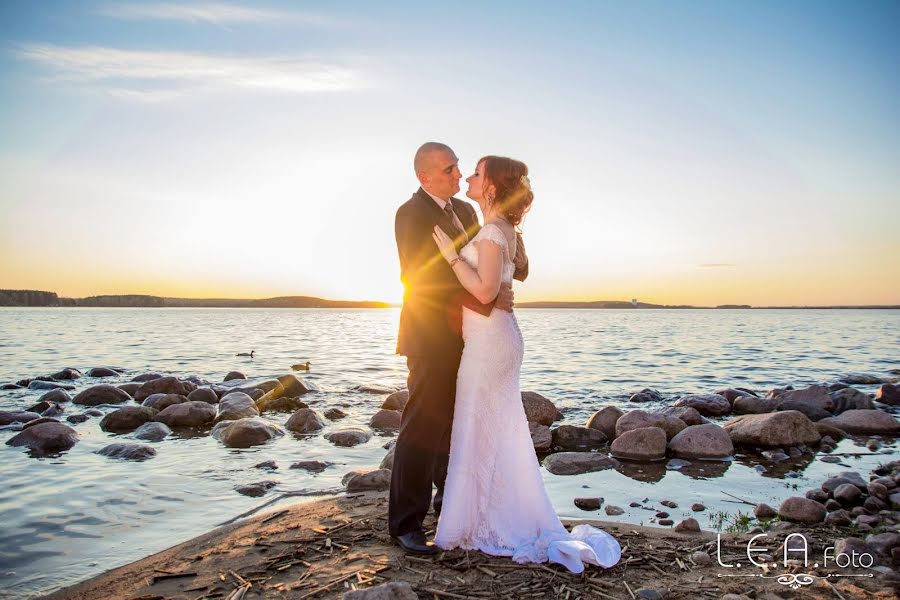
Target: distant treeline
{"x":39,"y":298}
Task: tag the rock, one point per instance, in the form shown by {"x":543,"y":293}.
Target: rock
{"x":751,"y":405}
{"x":708,"y":405}
{"x":702,"y":441}
{"x":878,"y":490}
{"x":697,"y":507}
{"x":40,"y":407}
{"x":396,"y":401}
{"x":77,"y":418}
{"x":830,"y":431}
{"x":128,"y":451}
{"x":783,"y":428}
{"x":152,"y":432}
{"x":883,"y":543}
{"x":574,"y":438}
{"x":541,"y":437}
{"x":850,"y":398}
{"x":203,"y":394}
{"x":392,"y":590}
{"x":45,"y":439}
{"x":285,"y":404}
{"x":361,"y":481}
{"x":352,"y":436}
{"x":38,"y":384}
{"x":164,"y":385}
{"x":775,"y":455}
{"x":689,"y":525}
{"x":669,"y":503}
{"x":388,"y":461}
{"x":801,"y":510}
{"x":243,"y":433}
{"x":129,"y":388}
{"x":38,"y":421}
{"x":101,"y":394}
{"x":646,"y":395}
{"x":187,"y":414}
{"x":10,"y":386}
{"x":255,"y":490}
{"x":589,"y":503}
{"x":93,"y":412}
{"x":67,"y":373}
{"x":294,"y":386}
{"x":236,"y":405}
{"x":686,"y":414}
{"x":163,"y":401}
{"x":812,"y":412}
{"x":17,"y":416}
{"x":333,"y":414}
{"x":637,"y":419}
{"x":268,"y":465}
{"x":817,"y":396}
{"x":305,"y":420}
{"x":649,"y":593}
{"x":861,"y":379}
{"x":818,"y":495}
{"x":701,"y":558}
{"x":604,"y":420}
{"x":576,"y":463}
{"x":732,"y":394}
{"x":888,"y":393}
{"x":313,"y":466}
{"x":613,"y":510}
{"x":539,"y":409}
{"x":127,"y":418}
{"x":840,"y":518}
{"x":145,"y":377}
{"x":54,"y":410}
{"x":56,"y":396}
{"x":865,"y":421}
{"x":386,"y":419}
{"x":847,"y":493}
{"x":234,"y":375}
{"x":102,"y":372}
{"x":646,"y":443}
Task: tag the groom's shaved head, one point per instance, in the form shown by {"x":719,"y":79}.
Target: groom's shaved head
{"x":437,"y":169}
{"x":426,"y":151}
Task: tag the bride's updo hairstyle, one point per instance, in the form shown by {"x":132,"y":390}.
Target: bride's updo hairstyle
{"x":510,"y":178}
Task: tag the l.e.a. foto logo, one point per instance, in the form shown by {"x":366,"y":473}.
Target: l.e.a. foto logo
{"x":829,"y":560}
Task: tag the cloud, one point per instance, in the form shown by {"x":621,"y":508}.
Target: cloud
{"x":160,"y":75}
{"x":216,"y":13}
{"x":715,"y":265}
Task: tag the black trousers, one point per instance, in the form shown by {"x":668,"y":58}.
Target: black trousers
{"x":423,"y":444}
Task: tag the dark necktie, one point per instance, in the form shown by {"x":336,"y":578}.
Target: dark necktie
{"x":455,"y":231}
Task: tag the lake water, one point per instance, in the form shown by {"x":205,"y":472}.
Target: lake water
{"x":67,"y":518}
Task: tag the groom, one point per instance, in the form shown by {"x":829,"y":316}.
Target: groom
{"x":431,"y":338}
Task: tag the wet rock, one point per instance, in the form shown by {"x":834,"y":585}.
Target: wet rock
{"x":39,"y":407}
{"x":396,"y":401}
{"x":849,"y":399}
{"x":56,"y":396}
{"x":861,"y":379}
{"x":45,"y":439}
{"x":801,"y":510}
{"x":541,"y":437}
{"x":164,"y":385}
{"x":764,"y":511}
{"x":313,"y":466}
{"x":386,"y":419}
{"x":392,"y":590}
{"x":865,"y":421}
{"x":129,"y":388}
{"x":305,"y":420}
{"x":646,"y":395}
{"x":102,"y":372}
{"x":137,"y":452}
{"x":645,"y":443}
{"x":333,"y":414}
{"x":352,"y":436}
{"x":101,"y":394}
{"x":687,"y":414}
{"x":604,"y":420}
{"x":539,"y":409}
{"x":255,"y":490}
{"x":732,"y":394}
{"x":830,"y":431}
{"x":751,"y":405}
{"x":48,"y":385}
{"x":888,"y":393}
{"x":187,"y":414}
{"x":637,"y":419}
{"x":574,"y":438}
{"x":818,"y":495}
{"x":812,"y":412}
{"x":613,"y":510}
{"x":145,"y":377}
{"x":66,"y":374}
{"x":689,"y":525}
{"x":77,"y":418}
{"x":817,"y":396}
{"x":702,"y":441}
{"x":236,"y":405}
{"x":669,"y":503}
{"x":293,"y":386}
{"x":268,"y":465}
{"x":203,"y":395}
{"x":163,"y":401}
{"x":847,"y":493}
{"x":589,"y":503}
{"x":361,"y":481}
{"x":246,"y":432}
{"x":783,"y":428}
{"x":127,"y":419}
{"x":93,"y":412}
{"x":38,"y":421}
{"x":878,"y":490}
{"x":388,"y":461}
{"x":576,"y":463}
{"x":708,"y":405}
{"x":234,"y":375}
{"x":285,"y":404}
{"x":697,"y":507}
{"x":649,"y":593}
{"x":152,"y":432}
{"x":17,"y":416}
{"x":10,"y":386}
{"x":838,"y":517}
{"x":774,"y":455}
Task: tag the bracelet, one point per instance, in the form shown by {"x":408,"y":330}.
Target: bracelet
{"x":454,"y":261}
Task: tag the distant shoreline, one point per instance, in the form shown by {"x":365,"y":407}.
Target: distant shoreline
{"x":37,"y":298}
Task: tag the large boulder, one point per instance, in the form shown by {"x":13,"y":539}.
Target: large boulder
{"x":801,"y":510}
{"x":285,"y":404}
{"x":56,"y":396}
{"x":815,"y":395}
{"x":244,"y":433}
{"x":152,"y":431}
{"x":637,"y":419}
{"x":129,"y":388}
{"x":888,"y":393}
{"x":850,"y":399}
{"x":576,"y":463}
{"x":236,"y":405}
{"x":234,"y":375}
{"x":305,"y":420}
{"x":127,"y":418}
{"x":293,"y":386}
{"x":17,"y":416}
{"x":145,"y":377}
{"x":777,"y":429}
{"x":702,"y":441}
{"x":645,"y":443}
{"x":574,"y":438}
{"x":541,"y":438}
{"x":865,"y":421}
{"x":687,"y":414}
{"x":187,"y":415}
{"x":40,"y":384}
{"x":164,"y":385}
{"x":128,"y":451}
{"x":540,"y":410}
{"x":751,"y":405}
{"x":388,"y":461}
{"x":604,"y":420}
{"x":204,"y":394}
{"x":101,"y":394}
{"x":351,"y":436}
{"x":45,"y":439}
{"x":396,"y":401}
{"x":386,"y":419}
{"x":163,"y":401}
{"x":813,"y":412}
{"x":708,"y":405}
{"x":102,"y":372}
{"x":361,"y":481}
{"x":67,"y":373}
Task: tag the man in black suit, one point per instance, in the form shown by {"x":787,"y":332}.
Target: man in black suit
{"x":431,"y":338}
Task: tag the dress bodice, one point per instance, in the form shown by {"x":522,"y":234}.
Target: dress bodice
{"x":469,"y":252}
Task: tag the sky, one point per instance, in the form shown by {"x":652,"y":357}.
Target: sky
{"x":695,"y":152}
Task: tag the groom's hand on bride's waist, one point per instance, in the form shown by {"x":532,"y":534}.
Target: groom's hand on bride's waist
{"x":505,"y":298}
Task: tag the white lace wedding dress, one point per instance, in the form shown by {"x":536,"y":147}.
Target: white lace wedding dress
{"x":494,"y":497}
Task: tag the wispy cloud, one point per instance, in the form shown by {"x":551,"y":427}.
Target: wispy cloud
{"x":715,"y":265}
{"x":216,"y":13}
{"x":159,"y":75}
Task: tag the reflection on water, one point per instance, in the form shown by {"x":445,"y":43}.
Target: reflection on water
{"x":70,"y":517}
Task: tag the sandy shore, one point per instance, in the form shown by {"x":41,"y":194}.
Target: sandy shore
{"x":324,"y":548}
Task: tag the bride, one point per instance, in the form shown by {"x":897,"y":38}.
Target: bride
{"x":494,"y":497}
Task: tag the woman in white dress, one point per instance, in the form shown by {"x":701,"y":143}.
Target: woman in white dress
{"x":494,"y":497}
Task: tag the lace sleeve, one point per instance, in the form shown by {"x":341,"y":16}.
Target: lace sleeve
{"x":495,"y":234}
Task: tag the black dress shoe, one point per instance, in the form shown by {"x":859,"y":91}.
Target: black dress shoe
{"x":414,"y":542}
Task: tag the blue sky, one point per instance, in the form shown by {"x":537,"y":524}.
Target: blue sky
{"x":692,"y":152}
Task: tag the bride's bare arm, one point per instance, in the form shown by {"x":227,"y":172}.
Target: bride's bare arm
{"x":483,"y":282}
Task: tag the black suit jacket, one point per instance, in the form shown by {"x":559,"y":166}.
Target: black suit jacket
{"x":431,"y":317}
